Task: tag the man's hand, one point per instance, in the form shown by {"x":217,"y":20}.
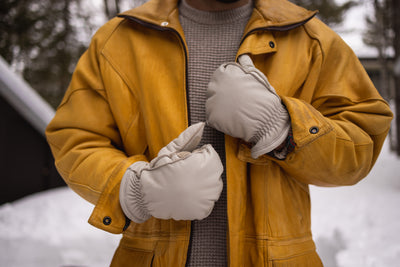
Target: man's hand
{"x":181,"y":183}
{"x":242,"y":104}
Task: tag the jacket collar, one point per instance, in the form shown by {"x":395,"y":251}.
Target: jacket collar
{"x":279,"y":14}
{"x":271,"y":14}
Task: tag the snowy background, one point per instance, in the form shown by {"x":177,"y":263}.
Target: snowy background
{"x":357,"y":226}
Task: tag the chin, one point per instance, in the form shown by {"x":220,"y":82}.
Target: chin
{"x":227,"y":1}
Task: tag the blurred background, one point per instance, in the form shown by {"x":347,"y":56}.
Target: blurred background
{"x":43,"y":223}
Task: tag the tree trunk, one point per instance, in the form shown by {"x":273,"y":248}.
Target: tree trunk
{"x":380,"y":9}
{"x":396,"y":28}
{"x":107,"y":9}
{"x":117,"y":6}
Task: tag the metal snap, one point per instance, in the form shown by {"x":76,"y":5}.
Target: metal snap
{"x":271,"y":44}
{"x":107,"y":220}
{"x":314,"y":130}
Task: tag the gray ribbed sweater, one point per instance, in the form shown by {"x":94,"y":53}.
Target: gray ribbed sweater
{"x":212,"y":38}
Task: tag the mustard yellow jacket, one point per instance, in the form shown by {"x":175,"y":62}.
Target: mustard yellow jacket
{"x":127,"y":99}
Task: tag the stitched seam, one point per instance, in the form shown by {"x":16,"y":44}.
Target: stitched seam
{"x":132,"y":90}
{"x":306,"y":252}
{"x":110,"y":61}
{"x":109,"y":36}
{"x":131,"y":119}
{"x":132,"y":116}
{"x":105,"y":42}
{"x":76,"y":90}
{"x":125,"y":80}
{"x":315,"y":39}
{"x":52,"y":144}
{"x":350,"y":100}
{"x":289,"y":238}
{"x":84,"y":186}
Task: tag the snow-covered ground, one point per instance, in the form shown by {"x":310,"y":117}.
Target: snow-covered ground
{"x":50,"y":229}
{"x":357,"y":226}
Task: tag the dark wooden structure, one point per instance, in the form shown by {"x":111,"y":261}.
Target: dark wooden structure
{"x":26,"y":162}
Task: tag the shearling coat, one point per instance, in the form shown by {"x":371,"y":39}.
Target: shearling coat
{"x":127,"y":99}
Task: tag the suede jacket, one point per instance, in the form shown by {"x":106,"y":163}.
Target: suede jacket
{"x":127,"y":99}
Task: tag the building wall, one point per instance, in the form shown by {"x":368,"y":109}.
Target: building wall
{"x":375,"y":72}
{"x":26,"y":162}
{"x":386,"y":85}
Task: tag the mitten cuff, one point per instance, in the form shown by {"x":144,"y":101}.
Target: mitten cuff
{"x":131,"y":197}
{"x":273,"y":134}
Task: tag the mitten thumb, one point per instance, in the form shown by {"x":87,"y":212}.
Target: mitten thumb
{"x":188,"y":140}
{"x":245,"y":61}
{"x":248,"y":66}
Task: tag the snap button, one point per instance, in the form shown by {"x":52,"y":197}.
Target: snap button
{"x":271,"y":44}
{"x":164,"y":23}
{"x":106,"y":220}
{"x":314,"y":130}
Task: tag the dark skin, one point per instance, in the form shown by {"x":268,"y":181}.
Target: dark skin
{"x":216,"y":5}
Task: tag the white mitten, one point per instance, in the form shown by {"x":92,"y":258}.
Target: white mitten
{"x":181,"y":183}
{"x":242,"y":103}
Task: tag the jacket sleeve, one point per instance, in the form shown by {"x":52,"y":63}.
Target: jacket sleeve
{"x":86,"y":141}
{"x":339,"y":134}
{"x":340,"y":129}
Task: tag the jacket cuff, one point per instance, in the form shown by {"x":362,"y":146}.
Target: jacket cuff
{"x":107,"y":214}
{"x":285,"y":148}
{"x":307,"y":123}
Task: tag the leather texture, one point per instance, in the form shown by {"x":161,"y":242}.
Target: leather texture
{"x":242,"y":103}
{"x":181,"y":183}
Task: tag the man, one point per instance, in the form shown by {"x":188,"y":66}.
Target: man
{"x":287,"y":104}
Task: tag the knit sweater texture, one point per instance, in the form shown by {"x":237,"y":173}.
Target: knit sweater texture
{"x":212,"y":39}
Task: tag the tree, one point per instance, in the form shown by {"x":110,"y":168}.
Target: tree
{"x":329,"y":11}
{"x":383,"y":33}
{"x":395,"y":8}
{"x":379,"y":34}
{"x":113,"y":7}
{"x":42,"y":40}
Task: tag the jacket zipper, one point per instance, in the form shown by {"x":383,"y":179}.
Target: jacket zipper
{"x":155,"y":27}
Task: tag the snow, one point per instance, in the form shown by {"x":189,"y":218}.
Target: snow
{"x":50,"y":229}
{"x":356,"y":226}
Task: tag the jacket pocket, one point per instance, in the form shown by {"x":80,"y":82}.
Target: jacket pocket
{"x":306,"y":260}
{"x":128,"y":256}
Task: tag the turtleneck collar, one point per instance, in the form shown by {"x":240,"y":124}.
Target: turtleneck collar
{"x":215,"y":17}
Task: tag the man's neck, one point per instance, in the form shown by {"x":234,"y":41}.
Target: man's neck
{"x":214,"y":5}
